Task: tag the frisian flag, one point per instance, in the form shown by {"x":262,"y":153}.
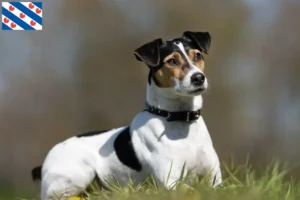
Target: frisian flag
{"x":22,"y":16}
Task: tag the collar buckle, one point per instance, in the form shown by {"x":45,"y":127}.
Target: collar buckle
{"x":188,"y":116}
{"x":168,"y":116}
{"x":197,"y":115}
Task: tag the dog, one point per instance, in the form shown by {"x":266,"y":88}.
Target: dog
{"x":169,"y":135}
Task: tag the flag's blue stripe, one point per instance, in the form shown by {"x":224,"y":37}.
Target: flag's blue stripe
{"x":5,"y":27}
{"x":27,"y":12}
{"x":38,"y":4}
{"x":16,"y":20}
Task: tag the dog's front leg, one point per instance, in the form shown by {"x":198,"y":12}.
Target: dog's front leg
{"x":215,"y":176}
{"x":168,"y":175}
{"x":211,"y":166}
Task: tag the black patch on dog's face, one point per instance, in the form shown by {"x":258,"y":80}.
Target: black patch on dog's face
{"x":169,"y":47}
{"x":92,"y":133}
{"x":125,"y":152}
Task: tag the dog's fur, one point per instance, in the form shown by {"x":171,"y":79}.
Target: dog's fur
{"x":150,"y":144}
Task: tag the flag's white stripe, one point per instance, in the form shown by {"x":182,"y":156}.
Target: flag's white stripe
{"x":10,"y":21}
{"x":26,"y":4}
{"x":26,"y":19}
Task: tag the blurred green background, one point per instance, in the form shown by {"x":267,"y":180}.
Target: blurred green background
{"x":79,"y":74}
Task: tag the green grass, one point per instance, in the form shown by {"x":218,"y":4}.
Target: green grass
{"x":243,"y":182}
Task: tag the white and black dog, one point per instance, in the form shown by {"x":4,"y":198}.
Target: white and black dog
{"x":166,"y":136}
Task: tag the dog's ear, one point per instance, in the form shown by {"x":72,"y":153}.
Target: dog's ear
{"x":201,"y":39}
{"x":149,"y":53}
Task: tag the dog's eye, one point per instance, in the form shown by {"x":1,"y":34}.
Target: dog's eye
{"x":198,"y":56}
{"x":172,"y":62}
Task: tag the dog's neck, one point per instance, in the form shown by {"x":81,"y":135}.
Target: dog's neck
{"x":163,"y":99}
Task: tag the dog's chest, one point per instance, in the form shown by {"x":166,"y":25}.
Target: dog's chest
{"x":178,"y":142}
{"x":183,"y":143}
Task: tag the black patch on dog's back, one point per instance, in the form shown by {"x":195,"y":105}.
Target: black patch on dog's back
{"x":125,"y":151}
{"x":36,"y":173}
{"x":92,"y":133}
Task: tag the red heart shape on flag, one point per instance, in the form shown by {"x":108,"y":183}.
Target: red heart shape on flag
{"x":38,"y":11}
{"x":13,"y":25}
{"x":32,"y":23}
{"x":6,"y":20}
{"x":31,"y":6}
{"x":22,"y":15}
{"x":11,"y":8}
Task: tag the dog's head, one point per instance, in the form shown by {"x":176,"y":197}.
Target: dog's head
{"x":177,"y":64}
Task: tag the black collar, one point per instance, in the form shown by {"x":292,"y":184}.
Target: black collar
{"x":174,"y":116}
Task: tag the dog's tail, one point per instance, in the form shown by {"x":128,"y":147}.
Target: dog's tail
{"x":36,"y":173}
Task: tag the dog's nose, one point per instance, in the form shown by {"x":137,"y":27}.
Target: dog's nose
{"x":197,"y":79}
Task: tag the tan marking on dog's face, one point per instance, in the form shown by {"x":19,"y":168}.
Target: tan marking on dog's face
{"x":166,"y":75}
{"x":197,"y":61}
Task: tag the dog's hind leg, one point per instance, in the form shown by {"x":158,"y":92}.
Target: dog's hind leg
{"x":64,"y":186}
{"x":69,"y":168}
{"x":62,"y":180}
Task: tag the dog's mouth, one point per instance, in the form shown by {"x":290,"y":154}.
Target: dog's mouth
{"x":198,"y":90}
